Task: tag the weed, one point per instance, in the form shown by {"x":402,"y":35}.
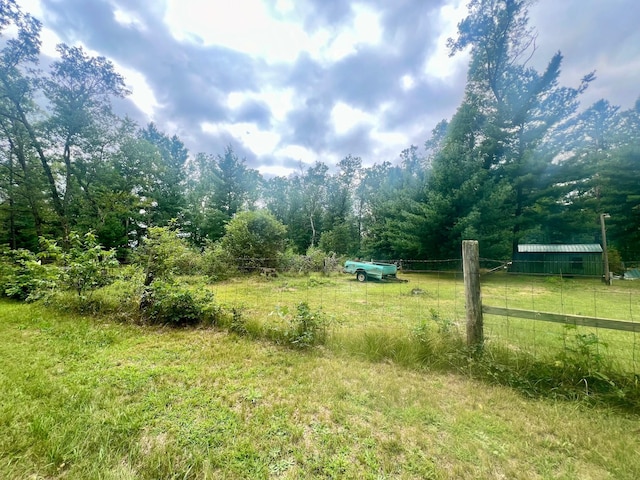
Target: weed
{"x":238,"y":323}
{"x":303,"y":329}
{"x":169,"y":303}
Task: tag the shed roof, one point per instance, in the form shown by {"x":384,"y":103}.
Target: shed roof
{"x":567,"y":248}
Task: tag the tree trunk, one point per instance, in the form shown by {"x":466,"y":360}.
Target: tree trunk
{"x":12,"y":221}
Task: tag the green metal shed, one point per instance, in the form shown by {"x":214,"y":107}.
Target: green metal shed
{"x":570,"y":259}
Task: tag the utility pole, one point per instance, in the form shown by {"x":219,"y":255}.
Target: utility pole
{"x":605,"y":255}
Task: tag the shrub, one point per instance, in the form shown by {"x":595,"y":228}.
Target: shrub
{"x":304,"y":329}
{"x":87,"y":265}
{"x":24,"y":277}
{"x":118,"y":300}
{"x":238,"y":323}
{"x":169,"y":303}
{"x":315,"y":260}
{"x":254,"y":234}
{"x":164,"y":254}
{"x":217,"y":263}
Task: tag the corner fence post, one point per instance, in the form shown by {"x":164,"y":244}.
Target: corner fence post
{"x":473,"y":299}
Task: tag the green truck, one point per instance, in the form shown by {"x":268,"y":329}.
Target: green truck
{"x":366,"y":270}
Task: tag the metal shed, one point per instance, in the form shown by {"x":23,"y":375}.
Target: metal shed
{"x":568,"y":259}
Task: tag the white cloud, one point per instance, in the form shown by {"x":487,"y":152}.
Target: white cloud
{"x":275,"y":170}
{"x":247,"y":26}
{"x":142,"y":93}
{"x":260,"y":142}
{"x":297,"y":152}
{"x":34,"y":7}
{"x":439,"y":64}
{"x":284,"y":6}
{"x":345,"y":117}
{"x":407,"y":82}
{"x":242,"y":25}
{"x":49,"y":42}
{"x":127,"y":18}
{"x":364,"y":30}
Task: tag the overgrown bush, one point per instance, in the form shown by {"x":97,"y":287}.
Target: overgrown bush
{"x":119,"y":300}
{"x":217,"y":263}
{"x":256,"y":235}
{"x":24,"y":277}
{"x":438,"y":341}
{"x":238,"y":323}
{"x":315,"y":260}
{"x":303,"y":329}
{"x":163,"y":254}
{"x":86,"y":265}
{"x":169,"y":303}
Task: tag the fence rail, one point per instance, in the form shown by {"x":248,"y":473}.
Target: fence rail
{"x":565,"y":319}
{"x":517,"y":315}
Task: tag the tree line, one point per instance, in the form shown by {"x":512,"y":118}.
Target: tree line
{"x":521,"y":161}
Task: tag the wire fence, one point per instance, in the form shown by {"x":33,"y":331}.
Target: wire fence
{"x":432,"y":292}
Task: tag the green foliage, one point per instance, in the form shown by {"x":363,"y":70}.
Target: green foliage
{"x":439,"y":346}
{"x":308,"y":327}
{"x":86,"y":265}
{"x":303,"y":329}
{"x":118,"y":301}
{"x":235,"y":185}
{"x":343,"y":239}
{"x":254,"y":234}
{"x":582,"y":351}
{"x":238,"y":323}
{"x":616,"y":265}
{"x":315,"y":260}
{"x":218,"y":263}
{"x":170,"y":303}
{"x":164,"y":254}
{"x":24,"y":277}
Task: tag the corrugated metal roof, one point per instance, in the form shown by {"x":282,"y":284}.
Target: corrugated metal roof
{"x":574,"y":248}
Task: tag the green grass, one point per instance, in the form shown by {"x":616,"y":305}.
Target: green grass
{"x":90,"y":398}
{"x":391,"y":311}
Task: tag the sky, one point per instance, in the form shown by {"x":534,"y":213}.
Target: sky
{"x":287,"y":83}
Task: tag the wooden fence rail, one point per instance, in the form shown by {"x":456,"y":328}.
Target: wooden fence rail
{"x":564,"y":318}
{"x":475,"y":309}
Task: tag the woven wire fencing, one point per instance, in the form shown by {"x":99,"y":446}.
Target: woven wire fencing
{"x":574,"y":295}
{"x":432,"y":292}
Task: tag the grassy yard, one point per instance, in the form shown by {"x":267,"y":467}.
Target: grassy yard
{"x":357,"y":309}
{"x":84,"y":398}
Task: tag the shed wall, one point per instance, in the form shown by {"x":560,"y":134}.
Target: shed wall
{"x":587,"y":264}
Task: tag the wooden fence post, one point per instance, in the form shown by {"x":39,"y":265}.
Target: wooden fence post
{"x":473,"y":300}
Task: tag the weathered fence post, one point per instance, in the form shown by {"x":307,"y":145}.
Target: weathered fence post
{"x":473,"y":300}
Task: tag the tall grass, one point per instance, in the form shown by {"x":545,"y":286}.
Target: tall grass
{"x":421,"y":324}
{"x":89,"y":398}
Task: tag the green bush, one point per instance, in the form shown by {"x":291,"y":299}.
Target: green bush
{"x":238,"y":323}
{"x":304,"y":329}
{"x":217,"y":263}
{"x":256,"y":235}
{"x":119,"y":301}
{"x":163,"y":254}
{"x":86,"y":265}
{"x":24,"y":277}
{"x":169,"y":303}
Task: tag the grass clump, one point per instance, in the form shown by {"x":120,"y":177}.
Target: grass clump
{"x":303,"y":328}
